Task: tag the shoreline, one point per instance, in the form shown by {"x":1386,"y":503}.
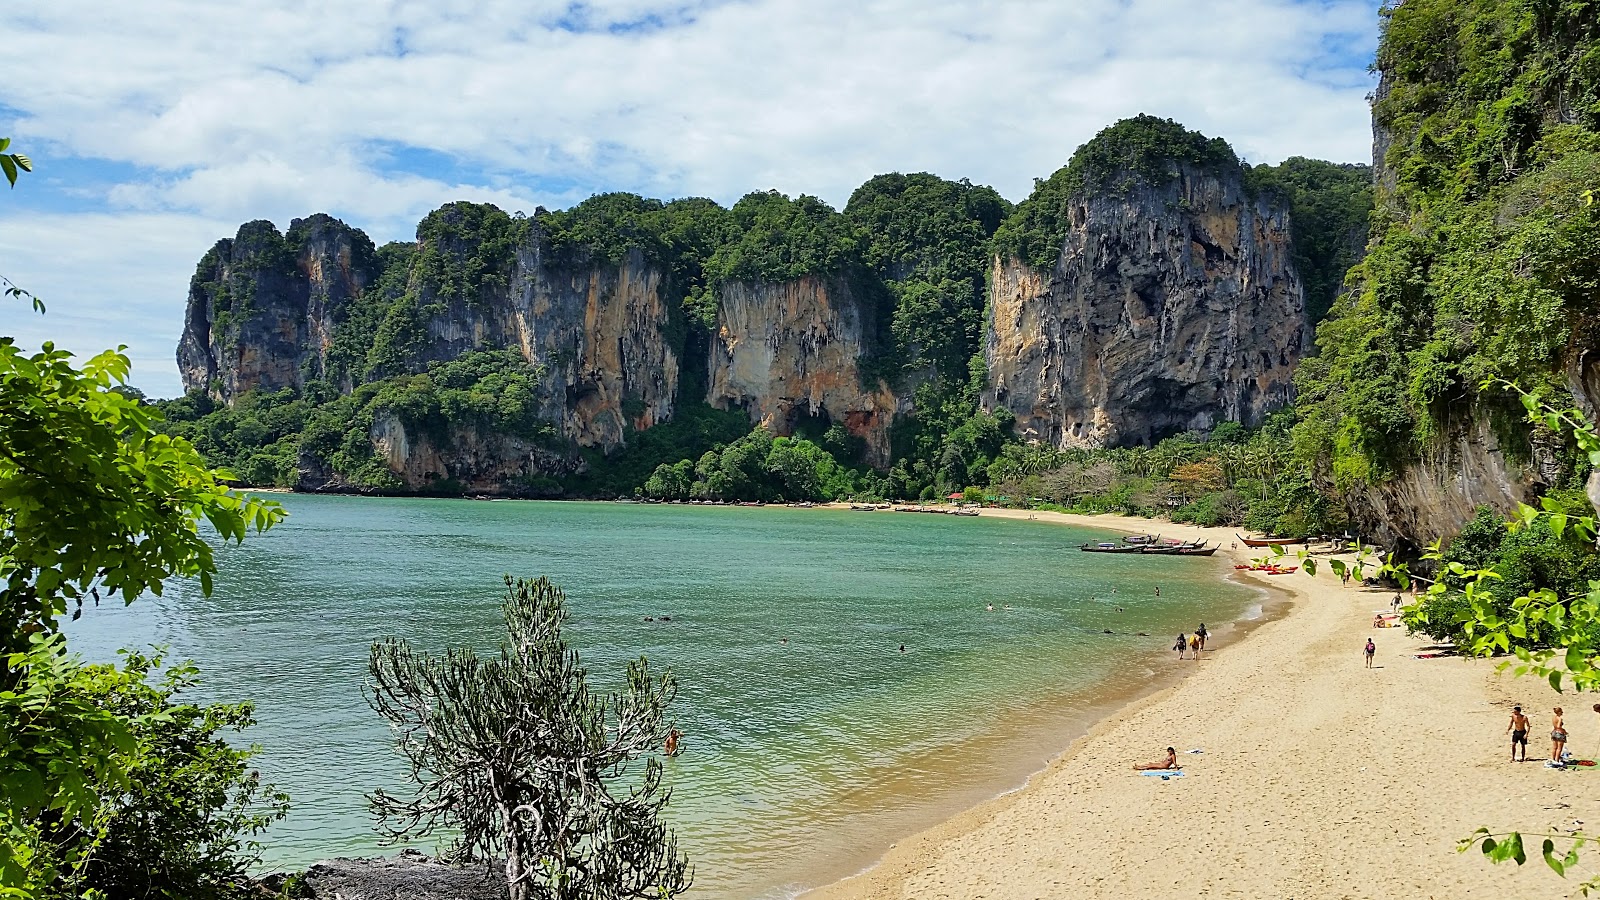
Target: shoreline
{"x":1312,"y":784}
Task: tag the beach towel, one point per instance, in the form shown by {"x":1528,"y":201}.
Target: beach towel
{"x":1432,"y":655}
{"x":1164,"y":773}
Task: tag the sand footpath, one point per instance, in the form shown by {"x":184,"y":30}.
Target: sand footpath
{"x":1319,"y":778}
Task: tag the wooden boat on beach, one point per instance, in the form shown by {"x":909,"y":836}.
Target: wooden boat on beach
{"x":1108,"y":547}
{"x":1197,"y":551}
{"x":1268,"y":542}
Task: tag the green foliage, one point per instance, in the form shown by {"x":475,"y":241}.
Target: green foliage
{"x":93,"y":500}
{"x":755,"y":467}
{"x":1486,"y":253}
{"x":178,"y":819}
{"x":60,"y":750}
{"x":266,"y":438}
{"x":927,"y":239}
{"x":1232,"y":476}
{"x":779,"y":239}
{"x":1329,"y":207}
{"x":1144,"y":150}
{"x":12,"y":164}
{"x":466,"y":251}
{"x":517,"y":759}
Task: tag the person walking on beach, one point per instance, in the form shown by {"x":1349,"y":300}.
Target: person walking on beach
{"x":1372,"y":650}
{"x":1201,"y":634}
{"x":1558,"y":740}
{"x":1182,"y":644}
{"x":1519,"y":733}
{"x":1194,"y":647}
{"x":1394,"y":605}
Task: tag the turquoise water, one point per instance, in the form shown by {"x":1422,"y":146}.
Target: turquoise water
{"x":802,"y":760}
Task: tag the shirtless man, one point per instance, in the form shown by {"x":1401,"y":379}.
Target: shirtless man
{"x":1519,"y":733}
{"x":1171,"y":762}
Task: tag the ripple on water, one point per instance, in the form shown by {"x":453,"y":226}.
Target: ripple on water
{"x":801,"y":758}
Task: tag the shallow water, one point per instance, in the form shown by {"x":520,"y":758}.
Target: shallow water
{"x":802,"y":760}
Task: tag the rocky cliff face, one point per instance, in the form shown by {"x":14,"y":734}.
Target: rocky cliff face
{"x":263,"y":306}
{"x":1173,"y":306}
{"x":599,"y":330}
{"x":468,"y":460}
{"x":793,"y":350}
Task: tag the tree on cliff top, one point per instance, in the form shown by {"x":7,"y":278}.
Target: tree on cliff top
{"x":1145,"y":147}
{"x":518,"y":757}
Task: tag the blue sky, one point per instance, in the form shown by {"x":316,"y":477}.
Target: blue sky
{"x":157,"y":128}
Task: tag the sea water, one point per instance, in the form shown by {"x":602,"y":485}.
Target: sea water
{"x":811,"y":740}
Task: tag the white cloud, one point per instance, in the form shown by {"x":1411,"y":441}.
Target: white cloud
{"x":258,"y":109}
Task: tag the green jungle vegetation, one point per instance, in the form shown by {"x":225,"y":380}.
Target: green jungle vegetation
{"x":914,"y":250}
{"x":1485,"y":255}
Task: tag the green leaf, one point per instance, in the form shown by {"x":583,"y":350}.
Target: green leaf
{"x":1555,"y":681}
{"x":1549,"y":852}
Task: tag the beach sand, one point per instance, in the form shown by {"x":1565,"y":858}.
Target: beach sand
{"x":1319,"y":778}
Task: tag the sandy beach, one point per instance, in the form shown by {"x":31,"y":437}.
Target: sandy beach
{"x":1319,"y":778}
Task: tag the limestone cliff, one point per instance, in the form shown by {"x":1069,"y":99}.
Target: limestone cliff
{"x":263,"y":306}
{"x":600,"y":330}
{"x":466,"y":460}
{"x":791,"y":350}
{"x":1174,"y":305}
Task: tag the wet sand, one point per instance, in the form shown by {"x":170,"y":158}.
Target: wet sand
{"x":1319,"y":778}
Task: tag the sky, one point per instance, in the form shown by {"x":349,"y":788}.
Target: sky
{"x":159,"y":127}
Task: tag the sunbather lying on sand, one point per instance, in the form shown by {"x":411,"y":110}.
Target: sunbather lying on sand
{"x":1170,"y":763}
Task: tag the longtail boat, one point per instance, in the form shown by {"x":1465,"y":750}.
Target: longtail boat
{"x":1106,"y":547}
{"x":1196,"y":551}
{"x":1268,"y":542}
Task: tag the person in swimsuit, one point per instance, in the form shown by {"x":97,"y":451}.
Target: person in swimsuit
{"x":1181,"y":645}
{"x":1201,"y":634}
{"x":1372,"y":650}
{"x":1171,"y":762}
{"x":1558,"y":740}
{"x":672,"y":742}
{"x":1519,"y":733}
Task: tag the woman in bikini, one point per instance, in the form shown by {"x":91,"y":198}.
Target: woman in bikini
{"x":1171,"y":762}
{"x":1558,"y":740}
